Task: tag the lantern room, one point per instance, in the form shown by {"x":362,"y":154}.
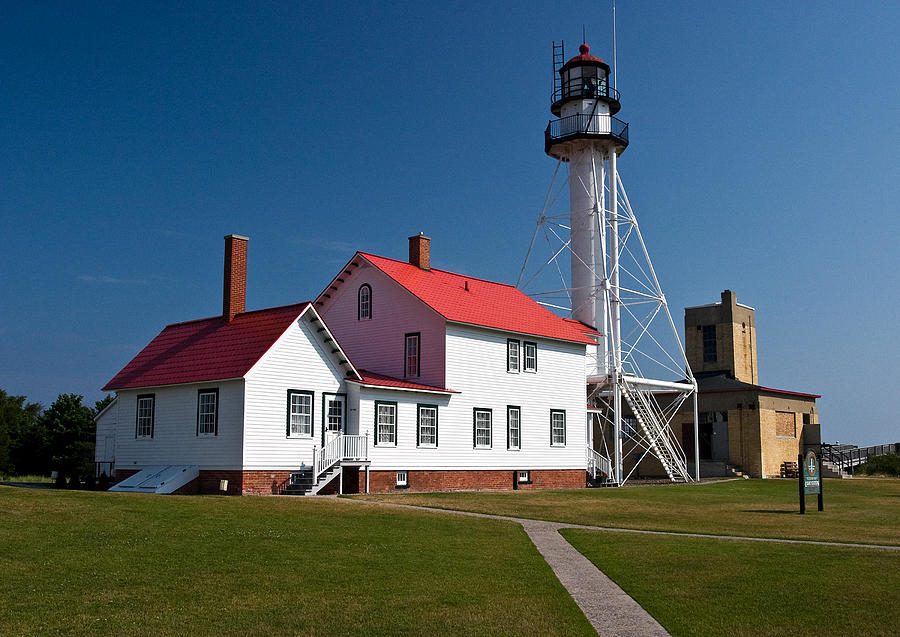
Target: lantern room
{"x":584,"y":77}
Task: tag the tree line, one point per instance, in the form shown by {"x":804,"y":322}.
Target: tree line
{"x":38,"y":441}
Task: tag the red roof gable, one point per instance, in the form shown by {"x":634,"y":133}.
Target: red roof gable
{"x":464,"y":299}
{"x":206,"y":349}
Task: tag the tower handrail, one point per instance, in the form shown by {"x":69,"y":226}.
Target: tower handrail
{"x":581,"y":124}
{"x":582,"y":88}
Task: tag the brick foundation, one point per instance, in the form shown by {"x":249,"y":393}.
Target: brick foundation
{"x":505,"y":479}
{"x":273,"y":482}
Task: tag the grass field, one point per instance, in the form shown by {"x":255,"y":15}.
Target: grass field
{"x":101,"y":563}
{"x":859,"y":510}
{"x":699,"y":586}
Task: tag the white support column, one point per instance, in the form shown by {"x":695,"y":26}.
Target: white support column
{"x":367,"y":478}
{"x":340,"y":479}
{"x":582,"y":203}
{"x":615,"y":323}
{"x":696,"y":440}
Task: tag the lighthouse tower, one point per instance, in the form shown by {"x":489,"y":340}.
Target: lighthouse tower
{"x":589,"y":138}
{"x":637,"y":381}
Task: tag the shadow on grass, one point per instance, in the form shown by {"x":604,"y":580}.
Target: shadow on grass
{"x":776,"y":511}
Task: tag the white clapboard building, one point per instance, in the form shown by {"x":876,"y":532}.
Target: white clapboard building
{"x":397,"y":376}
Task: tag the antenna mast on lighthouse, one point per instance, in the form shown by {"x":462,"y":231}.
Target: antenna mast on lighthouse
{"x":613,"y":287}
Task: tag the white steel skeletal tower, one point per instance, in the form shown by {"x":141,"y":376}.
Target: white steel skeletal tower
{"x":639,"y":377}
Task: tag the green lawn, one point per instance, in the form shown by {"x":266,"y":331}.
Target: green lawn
{"x":699,"y":586}
{"x":101,"y":563}
{"x":861,"y":510}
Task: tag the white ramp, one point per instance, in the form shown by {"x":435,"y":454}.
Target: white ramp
{"x":159,"y":479}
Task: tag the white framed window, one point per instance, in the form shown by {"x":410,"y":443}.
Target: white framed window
{"x":557,"y":428}
{"x":513,"y":427}
{"x":365,"y":302}
{"x":300,"y":413}
{"x":530,"y":362}
{"x":481,"y":428}
{"x":333,"y":412}
{"x":207,"y":412}
{"x":427,"y":426}
{"x":403,"y":479}
{"x":412,"y":352}
{"x":512,"y":355}
{"x":385,"y":423}
{"x":146,"y":407}
{"x":524,"y":477}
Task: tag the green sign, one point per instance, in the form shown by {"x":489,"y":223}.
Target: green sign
{"x":811,"y":477}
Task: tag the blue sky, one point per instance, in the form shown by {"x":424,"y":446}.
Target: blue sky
{"x":763,"y":158}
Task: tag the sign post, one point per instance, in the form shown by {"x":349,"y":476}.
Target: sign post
{"x":810,"y":479}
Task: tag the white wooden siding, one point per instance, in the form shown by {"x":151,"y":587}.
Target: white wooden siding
{"x":105,"y":440}
{"x":476,"y":366}
{"x":175,"y":439}
{"x":377,"y":344}
{"x":300,"y":360}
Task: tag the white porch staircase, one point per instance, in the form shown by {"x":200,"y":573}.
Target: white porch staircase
{"x":328,"y":463}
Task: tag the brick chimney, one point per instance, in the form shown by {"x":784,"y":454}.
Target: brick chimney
{"x":234,"y":291}
{"x":420,"y":251}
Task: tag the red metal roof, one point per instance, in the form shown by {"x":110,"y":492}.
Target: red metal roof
{"x":380,"y":380}
{"x":585,"y":56}
{"x":465,"y":299}
{"x":206,"y":349}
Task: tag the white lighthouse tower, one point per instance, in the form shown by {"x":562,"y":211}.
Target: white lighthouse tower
{"x":589,"y":138}
{"x":613,"y":287}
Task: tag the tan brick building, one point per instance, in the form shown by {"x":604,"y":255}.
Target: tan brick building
{"x":743,"y":424}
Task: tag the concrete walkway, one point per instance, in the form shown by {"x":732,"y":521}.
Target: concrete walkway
{"x":610,"y":610}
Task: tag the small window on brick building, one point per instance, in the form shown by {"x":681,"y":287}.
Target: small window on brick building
{"x":402,"y":479}
{"x":709,"y":343}
{"x":524,"y":477}
{"x":785,"y":426}
{"x":806,"y":419}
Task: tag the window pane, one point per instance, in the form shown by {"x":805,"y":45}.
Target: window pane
{"x":335,"y":414}
{"x":207,"y":413}
{"x":386,"y":423}
{"x":301,"y":414}
{"x":709,"y":344}
{"x":512,"y":361}
{"x":558,"y":428}
{"x":145,"y":417}
{"x":530,"y":357}
{"x":412,"y":355}
{"x":514,"y":427}
{"x":365,"y":302}
{"x":482,"y":429}
{"x":427,"y":426}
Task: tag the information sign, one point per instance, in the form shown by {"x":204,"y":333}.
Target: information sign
{"x":812,"y":482}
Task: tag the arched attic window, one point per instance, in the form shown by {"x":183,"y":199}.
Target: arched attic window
{"x":365,"y":302}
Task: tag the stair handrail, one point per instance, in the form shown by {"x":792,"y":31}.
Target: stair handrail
{"x":329,"y":455}
{"x":670,"y":455}
{"x":341,"y":447}
{"x":598,"y":462}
